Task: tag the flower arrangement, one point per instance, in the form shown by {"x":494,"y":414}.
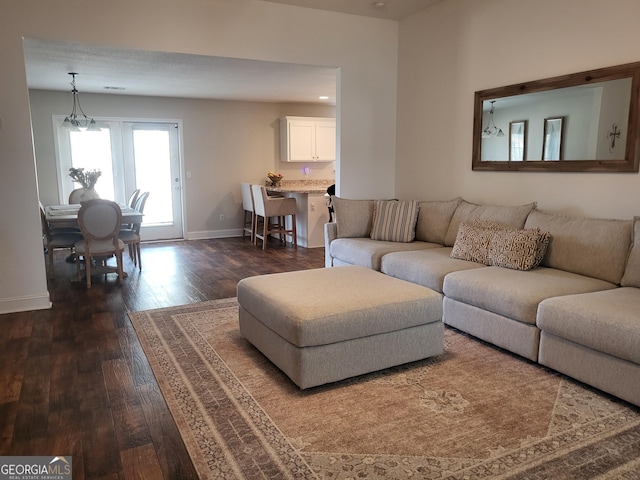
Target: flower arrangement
{"x":87,"y":179}
{"x":275,"y":178}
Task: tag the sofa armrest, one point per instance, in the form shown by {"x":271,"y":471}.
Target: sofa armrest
{"x":330,"y":234}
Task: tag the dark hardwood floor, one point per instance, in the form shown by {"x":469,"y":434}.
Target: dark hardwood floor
{"x":74,"y":379}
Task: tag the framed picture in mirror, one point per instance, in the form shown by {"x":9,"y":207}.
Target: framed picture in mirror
{"x":552,"y":141}
{"x":517,"y":140}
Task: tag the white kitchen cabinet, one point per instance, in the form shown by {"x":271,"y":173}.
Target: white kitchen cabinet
{"x":307,"y":139}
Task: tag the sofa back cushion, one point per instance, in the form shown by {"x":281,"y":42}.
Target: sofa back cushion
{"x":593,"y":247}
{"x":353,"y":217}
{"x":631,"y":276}
{"x":512,"y":217}
{"x":434,"y":219}
{"x":394,"y":221}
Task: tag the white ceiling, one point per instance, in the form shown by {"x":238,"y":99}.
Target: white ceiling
{"x":389,"y":9}
{"x":136,"y":72}
{"x":110,"y":70}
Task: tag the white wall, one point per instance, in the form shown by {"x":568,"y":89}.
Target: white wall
{"x":457,"y":47}
{"x":364,"y":50}
{"x":224,"y":143}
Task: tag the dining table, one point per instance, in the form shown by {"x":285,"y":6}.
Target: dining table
{"x":65,"y":216}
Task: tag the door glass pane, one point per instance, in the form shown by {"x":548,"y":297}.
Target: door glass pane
{"x":92,"y":151}
{"x":153,"y":173}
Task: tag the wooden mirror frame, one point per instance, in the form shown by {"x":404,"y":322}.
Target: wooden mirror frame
{"x":629,"y":163}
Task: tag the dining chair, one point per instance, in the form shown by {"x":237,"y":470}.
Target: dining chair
{"x":100,"y":221}
{"x":53,"y":239}
{"x":131,"y":236}
{"x":133,"y":198}
{"x":248,"y":225}
{"x":273,"y":212}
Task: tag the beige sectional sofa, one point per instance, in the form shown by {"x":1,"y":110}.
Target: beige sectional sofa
{"x":577,"y":311}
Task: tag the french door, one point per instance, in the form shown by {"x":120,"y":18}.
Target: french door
{"x":131,"y":155}
{"x":152,"y":164}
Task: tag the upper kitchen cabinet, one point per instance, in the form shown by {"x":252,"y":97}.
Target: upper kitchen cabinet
{"x":307,"y":139}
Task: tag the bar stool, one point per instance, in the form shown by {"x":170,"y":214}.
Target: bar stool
{"x":276,"y":209}
{"x":248,"y":223}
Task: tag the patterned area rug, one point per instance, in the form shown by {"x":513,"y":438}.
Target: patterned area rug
{"x":475,"y":412}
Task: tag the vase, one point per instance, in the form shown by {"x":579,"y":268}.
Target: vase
{"x":80,"y":195}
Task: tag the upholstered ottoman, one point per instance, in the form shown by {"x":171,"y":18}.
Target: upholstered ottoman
{"x":320,"y":326}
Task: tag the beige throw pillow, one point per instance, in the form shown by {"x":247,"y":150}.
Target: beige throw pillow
{"x":353,"y":217}
{"x":394,"y":221}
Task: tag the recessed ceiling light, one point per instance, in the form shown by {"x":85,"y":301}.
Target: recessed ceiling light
{"x":379,"y":4}
{"x":323,"y":97}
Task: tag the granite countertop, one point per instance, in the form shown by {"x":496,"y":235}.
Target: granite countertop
{"x":302,"y":186}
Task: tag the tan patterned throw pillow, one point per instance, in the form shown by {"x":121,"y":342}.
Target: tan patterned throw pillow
{"x":518,"y":249}
{"x":472,"y":241}
{"x":394,"y":221}
{"x":494,"y":244}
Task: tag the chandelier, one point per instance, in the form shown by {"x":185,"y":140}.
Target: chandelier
{"x":74,"y":121}
{"x":491,"y":130}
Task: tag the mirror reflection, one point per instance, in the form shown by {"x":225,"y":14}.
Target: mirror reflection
{"x":590,"y":112}
{"x":517,"y":140}
{"x":579,"y":122}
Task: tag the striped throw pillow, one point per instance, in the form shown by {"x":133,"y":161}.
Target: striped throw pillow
{"x":394,"y":221}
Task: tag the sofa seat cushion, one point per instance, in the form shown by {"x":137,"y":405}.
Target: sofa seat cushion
{"x":607,"y":321}
{"x":368,"y":253}
{"x":424,"y":267}
{"x":515,"y":293}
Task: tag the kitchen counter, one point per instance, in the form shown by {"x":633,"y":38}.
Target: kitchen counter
{"x":311,"y":206}
{"x":302,"y":186}
{"x":297,"y":189}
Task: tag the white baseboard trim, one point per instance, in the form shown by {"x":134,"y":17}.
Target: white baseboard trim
{"x":232,"y":232}
{"x":25,"y":304}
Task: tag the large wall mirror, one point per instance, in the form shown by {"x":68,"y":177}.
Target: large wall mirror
{"x":583,"y":122}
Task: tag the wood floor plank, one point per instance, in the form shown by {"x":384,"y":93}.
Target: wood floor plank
{"x":62,"y":438}
{"x":140,"y":463}
{"x":74,"y":379}
{"x":100,"y":454}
